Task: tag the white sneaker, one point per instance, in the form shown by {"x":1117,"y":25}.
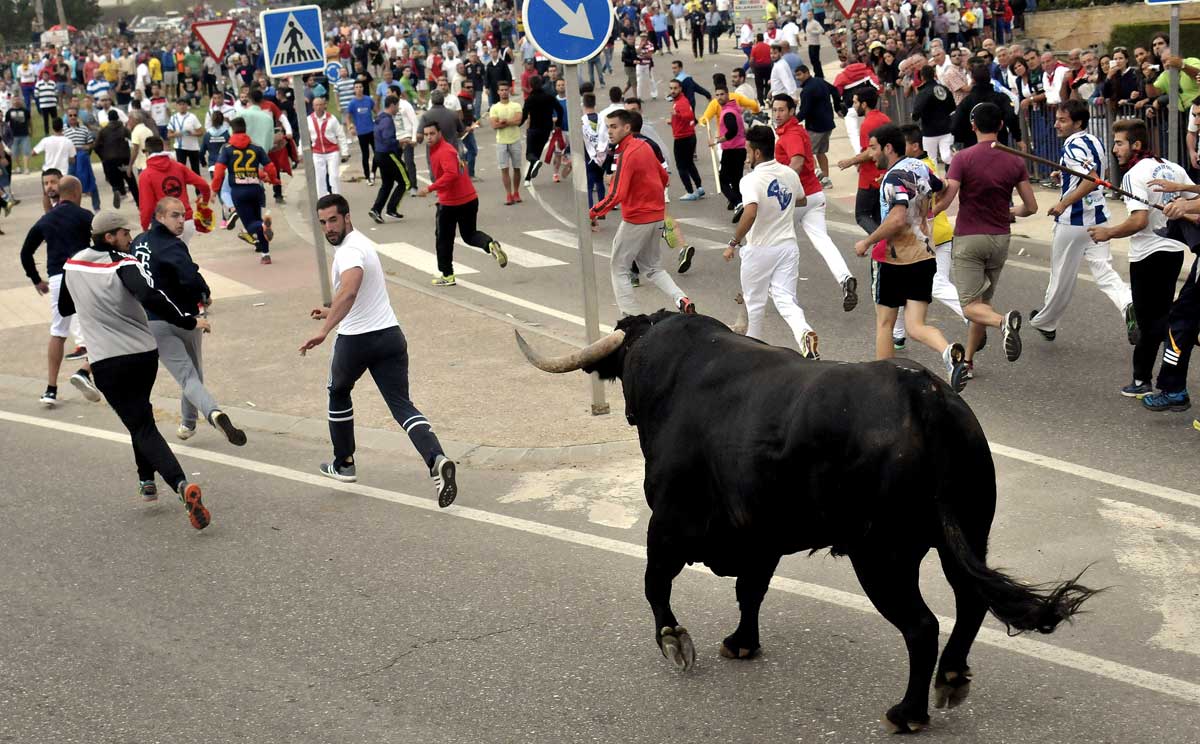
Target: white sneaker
{"x":444,"y":483}
{"x":184,"y":433}
{"x":83,"y":383}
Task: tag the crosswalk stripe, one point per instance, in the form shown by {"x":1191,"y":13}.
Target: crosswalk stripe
{"x":565,"y":239}
{"x":410,"y":255}
{"x":708,"y":223}
{"x":520,"y":256}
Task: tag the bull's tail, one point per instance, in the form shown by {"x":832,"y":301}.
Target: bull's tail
{"x":1019,"y":606}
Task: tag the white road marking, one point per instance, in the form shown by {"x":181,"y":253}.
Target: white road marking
{"x":565,"y":239}
{"x":1038,"y":650}
{"x":708,"y":223}
{"x":532,"y":190}
{"x":518,"y":256}
{"x":522,"y":302}
{"x":421,"y":260}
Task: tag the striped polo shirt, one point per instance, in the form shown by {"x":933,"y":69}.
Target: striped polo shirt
{"x":46,"y":92}
{"x":98,"y":86}
{"x":1083,"y":152}
{"x":80,"y":136}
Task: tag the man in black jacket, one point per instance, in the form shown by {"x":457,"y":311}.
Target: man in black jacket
{"x":542,"y":112}
{"x":983,"y":92}
{"x":933,"y":109}
{"x":816,"y":100}
{"x":496,"y":71}
{"x":165,"y":256}
{"x":112,"y":145}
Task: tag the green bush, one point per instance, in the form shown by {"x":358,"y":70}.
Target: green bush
{"x":1135,"y":34}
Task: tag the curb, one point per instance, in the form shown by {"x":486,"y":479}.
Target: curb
{"x":317,"y":430}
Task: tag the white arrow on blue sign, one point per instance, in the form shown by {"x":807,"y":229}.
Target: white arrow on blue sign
{"x":568,"y":31}
{"x":292,"y":40}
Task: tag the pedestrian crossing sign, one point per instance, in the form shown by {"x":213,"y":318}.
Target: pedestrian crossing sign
{"x":292,"y":40}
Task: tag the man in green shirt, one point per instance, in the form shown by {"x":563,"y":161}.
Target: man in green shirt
{"x":505,"y":118}
{"x":1188,"y":68}
{"x":260,"y":125}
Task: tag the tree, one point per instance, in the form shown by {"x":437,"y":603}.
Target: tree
{"x":16,"y":17}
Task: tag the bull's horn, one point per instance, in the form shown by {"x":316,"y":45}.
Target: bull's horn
{"x":589,"y":354}
{"x":743,"y":319}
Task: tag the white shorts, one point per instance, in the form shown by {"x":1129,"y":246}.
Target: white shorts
{"x":60,"y":327}
{"x":509,"y":156}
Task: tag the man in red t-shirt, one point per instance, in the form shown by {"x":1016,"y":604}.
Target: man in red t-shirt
{"x":760,"y":62}
{"x":866,"y":205}
{"x":683,"y":129}
{"x":458,"y":206}
{"x":793,"y":148}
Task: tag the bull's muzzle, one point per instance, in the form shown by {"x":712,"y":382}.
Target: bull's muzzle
{"x":589,"y":354}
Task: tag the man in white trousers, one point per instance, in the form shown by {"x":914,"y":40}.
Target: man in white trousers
{"x":771,"y":191}
{"x":1080,"y":207}
{"x":793,"y":149}
{"x":328,"y":144}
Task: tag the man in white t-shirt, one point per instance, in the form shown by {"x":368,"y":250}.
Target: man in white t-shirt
{"x":1154,"y":261}
{"x":368,"y":338}
{"x":771,"y":192}
{"x":59,"y":150}
{"x":184,"y":129}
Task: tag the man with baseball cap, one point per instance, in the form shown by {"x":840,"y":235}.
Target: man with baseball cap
{"x":109,"y":290}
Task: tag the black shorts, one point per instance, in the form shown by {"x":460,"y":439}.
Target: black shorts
{"x":892,"y":285}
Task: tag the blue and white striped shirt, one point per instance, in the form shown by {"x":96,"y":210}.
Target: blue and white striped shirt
{"x":1083,"y":152}
{"x":97,"y":86}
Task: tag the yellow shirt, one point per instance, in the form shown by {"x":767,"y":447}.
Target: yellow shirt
{"x":713,"y":108}
{"x":771,"y":11}
{"x":155,"y":69}
{"x":942,"y":232}
{"x":109,"y":70}
{"x":508,"y":111}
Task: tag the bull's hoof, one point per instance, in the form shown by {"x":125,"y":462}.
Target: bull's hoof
{"x":677,"y":647}
{"x":898,"y":722}
{"x":951,"y":688}
{"x":731,"y":650}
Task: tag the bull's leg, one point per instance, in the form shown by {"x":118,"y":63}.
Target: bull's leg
{"x":890,"y":579}
{"x":663,"y":564}
{"x":953,"y":681}
{"x":751,"y":588}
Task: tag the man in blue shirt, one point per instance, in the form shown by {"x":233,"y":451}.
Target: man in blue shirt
{"x":393,"y":174}
{"x":817,"y":101}
{"x":360,"y":113}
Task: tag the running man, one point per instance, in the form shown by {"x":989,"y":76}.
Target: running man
{"x":243,"y":160}
{"x":368,"y":339}
{"x":166,"y":258}
{"x":771,"y":192}
{"x":112,"y":292}
{"x":393,"y":175}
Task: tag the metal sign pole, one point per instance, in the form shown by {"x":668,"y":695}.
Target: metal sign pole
{"x":1173,"y":119}
{"x":310,"y":178}
{"x":587,"y":264}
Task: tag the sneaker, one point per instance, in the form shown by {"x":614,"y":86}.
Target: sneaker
{"x":827,"y":182}
{"x":444,"y":281}
{"x":49,"y":398}
{"x":116,"y":200}
{"x":412,"y":192}
{"x":737,"y":213}
{"x":1012,"y":337}
{"x":232,"y":221}
{"x":220,"y":420}
{"x":1132,"y":332}
{"x":80,"y":352}
{"x":344,"y":473}
{"x":516,"y":197}
{"x":689,"y":197}
{"x":394,"y":215}
{"x":686,"y":306}
{"x":956,"y":367}
{"x":246,"y":237}
{"x":83,"y":383}
{"x":148,"y":490}
{"x":669,"y":233}
{"x":808,"y":346}
{"x":1048,"y":335}
{"x":189,"y":494}
{"x":700,"y":192}
{"x":185,"y":432}
{"x":556,"y":178}
{"x":280,"y":200}
{"x":899,"y":344}
{"x":509,"y":201}
{"x":444,"y":483}
{"x":498,"y":253}
{"x":1162,"y":401}
{"x":970,"y":373}
{"x":849,"y":294}
{"x":685,"y":258}
{"x":1137,"y":389}
{"x":265,"y":260}
{"x":370,"y":181}
{"x":375,"y":216}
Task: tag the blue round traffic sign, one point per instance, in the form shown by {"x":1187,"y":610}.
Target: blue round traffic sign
{"x":568,"y":31}
{"x":332,"y":70}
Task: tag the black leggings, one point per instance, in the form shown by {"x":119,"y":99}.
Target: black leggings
{"x":383,"y":353}
{"x":697,"y":44}
{"x":190,"y":158}
{"x":126,"y":382}
{"x":814,"y":57}
{"x":1152,"y":281}
{"x":866,"y":210}
{"x":461,"y":217}
{"x":393,"y":181}
{"x":732,"y":163}
{"x":48,"y":115}
{"x":762,"y":81}
{"x":117,"y":173}
{"x":1183,"y":321}
{"x":366,"y":145}
{"x":685,"y":150}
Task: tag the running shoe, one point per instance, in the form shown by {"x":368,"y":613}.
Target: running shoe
{"x":899,"y":344}
{"x":185,"y":432}
{"x":1012,"y":336}
{"x":280,"y":200}
{"x":370,"y":181}
{"x":970,"y":373}
{"x":808,"y":346}
{"x":373,"y":214}
{"x":444,"y":281}
{"x":700,"y":192}
{"x":1048,"y":335}
{"x":1162,"y":401}
{"x":189,"y":494}
{"x":394,"y":215}
{"x":344,"y":473}
{"x":83,"y":383}
{"x":693,"y":196}
{"x":220,"y":420}
{"x":849,"y":294}
{"x":265,"y":260}
{"x":498,"y":253}
{"x":827,"y":182}
{"x":49,"y":398}
{"x":232,"y":222}
{"x":669,"y":234}
{"x":148,"y":490}
{"x":1132,"y":331}
{"x":1137,"y":389}
{"x":685,"y":258}
{"x":80,"y":352}
{"x":517,"y":197}
{"x":444,"y":483}
{"x":509,"y":201}
{"x":686,"y":306}
{"x":246,"y":237}
{"x":956,"y":367}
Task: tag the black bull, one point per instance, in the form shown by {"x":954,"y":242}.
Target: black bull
{"x":753,"y":452}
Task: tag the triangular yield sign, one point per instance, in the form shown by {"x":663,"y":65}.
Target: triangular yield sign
{"x":847,"y":6}
{"x":214,"y":35}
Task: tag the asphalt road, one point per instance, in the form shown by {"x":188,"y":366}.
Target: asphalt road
{"x":317,"y":612}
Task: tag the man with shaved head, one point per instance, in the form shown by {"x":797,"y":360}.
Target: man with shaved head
{"x":66,"y":229}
